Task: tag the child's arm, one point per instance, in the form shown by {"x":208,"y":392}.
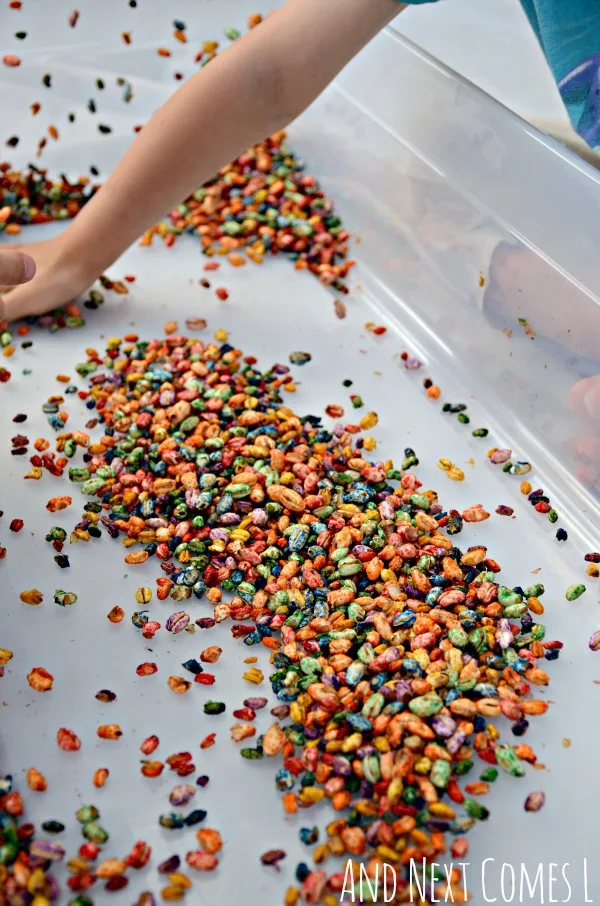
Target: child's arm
{"x":253,"y":89}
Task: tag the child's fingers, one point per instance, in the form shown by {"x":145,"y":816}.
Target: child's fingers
{"x":584,"y":399}
{"x":20,"y":303}
{"x":589,"y":474}
{"x":587,"y":450}
{"x":15,"y":267}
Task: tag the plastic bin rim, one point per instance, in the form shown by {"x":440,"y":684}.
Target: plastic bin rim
{"x":552,"y":145}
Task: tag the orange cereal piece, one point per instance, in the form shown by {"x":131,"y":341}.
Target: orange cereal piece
{"x":40,"y":680}
{"x":100,"y":777}
{"x":67,"y":740}
{"x":210,"y":840}
{"x":290,"y":805}
{"x":109,"y":731}
{"x":36,"y":780}
{"x":136,"y":557}
{"x":58,"y":503}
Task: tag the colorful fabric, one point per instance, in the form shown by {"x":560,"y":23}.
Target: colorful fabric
{"x":569,"y":34}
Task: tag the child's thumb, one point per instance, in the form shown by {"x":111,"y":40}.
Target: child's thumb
{"x":15,"y":268}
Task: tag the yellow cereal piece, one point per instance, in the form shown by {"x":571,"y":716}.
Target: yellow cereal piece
{"x":5,"y":656}
{"x":368,"y":421}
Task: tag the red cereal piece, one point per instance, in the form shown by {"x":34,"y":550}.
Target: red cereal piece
{"x":149,"y":745}
{"x":146,"y":669}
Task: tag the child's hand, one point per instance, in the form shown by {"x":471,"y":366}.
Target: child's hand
{"x":585,"y":403}
{"x":56,"y":283}
{"x":523,"y":285}
{"x":15,"y":268}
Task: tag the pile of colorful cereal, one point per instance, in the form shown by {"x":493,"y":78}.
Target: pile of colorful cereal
{"x":24,"y":861}
{"x":264,"y":203}
{"x":26,"y":858}
{"x":392,"y":648}
{"x":30,"y":196}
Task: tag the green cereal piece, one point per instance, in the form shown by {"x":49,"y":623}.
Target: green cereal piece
{"x":574,"y":591}
{"x":480,"y":432}
{"x":513,"y":611}
{"x":214,"y":707}
{"x":92,"y":485}
{"x":508,"y":597}
{"x":85,"y":368}
{"x":458,"y":637}
{"x":426,"y":705}
{"x":87,"y":813}
{"x":476,"y":810}
{"x":420,"y":501}
{"x":79,"y":474}
{"x":64,"y":598}
{"x":510,"y":762}
{"x":371,"y":768}
{"x":441,"y":772}
{"x":95,"y":833}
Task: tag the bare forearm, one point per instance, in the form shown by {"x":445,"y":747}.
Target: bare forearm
{"x":250,"y":91}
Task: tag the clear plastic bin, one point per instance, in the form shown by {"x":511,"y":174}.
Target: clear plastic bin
{"x":444,"y":190}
